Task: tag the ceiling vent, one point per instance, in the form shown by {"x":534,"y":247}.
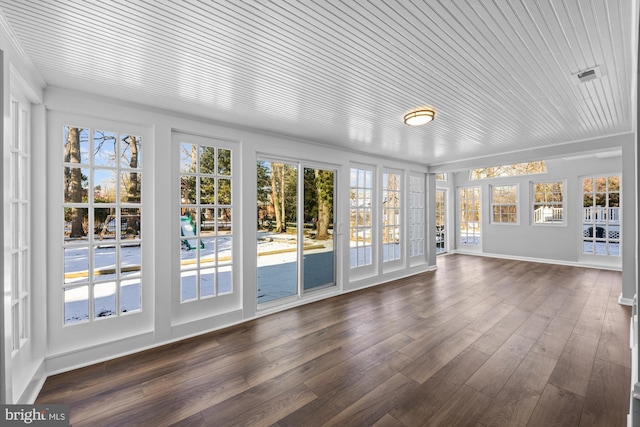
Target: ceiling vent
{"x":588,"y":74}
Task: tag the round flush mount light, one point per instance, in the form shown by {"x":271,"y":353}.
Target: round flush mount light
{"x":419,"y":117}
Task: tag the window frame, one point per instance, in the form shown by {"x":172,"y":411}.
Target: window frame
{"x":416,"y":216}
{"x":198,"y":309}
{"x":196,"y":267}
{"x":601,"y":218}
{"x":395,"y":228}
{"x":466,"y":245}
{"x":355,"y":209}
{"x":20,"y":214}
{"x":515,"y":204}
{"x":563,"y":204}
{"x":82,"y":335}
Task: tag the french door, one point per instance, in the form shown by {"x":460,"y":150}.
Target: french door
{"x":295,"y":238}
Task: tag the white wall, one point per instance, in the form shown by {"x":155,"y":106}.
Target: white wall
{"x":557,"y":243}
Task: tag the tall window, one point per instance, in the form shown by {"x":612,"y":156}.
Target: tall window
{"x":504,"y":204}
{"x":19,"y":216}
{"x":205,"y":221}
{"x":360,"y":213}
{"x":391,"y":217}
{"x":441,"y":213}
{"x":102,"y":242}
{"x":416,"y":215}
{"x":470,"y":230}
{"x":601,"y":215}
{"x":548,"y":202}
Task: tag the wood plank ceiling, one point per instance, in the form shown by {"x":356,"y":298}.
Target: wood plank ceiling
{"x":501,"y":74}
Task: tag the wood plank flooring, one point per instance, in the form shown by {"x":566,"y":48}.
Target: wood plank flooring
{"x":480,"y":342}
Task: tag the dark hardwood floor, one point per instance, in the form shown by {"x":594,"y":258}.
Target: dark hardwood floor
{"x":479,"y":342}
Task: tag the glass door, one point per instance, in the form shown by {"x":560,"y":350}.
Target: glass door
{"x":277,"y":236}
{"x":318,"y":253}
{"x":295,"y":238}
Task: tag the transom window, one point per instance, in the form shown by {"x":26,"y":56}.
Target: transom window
{"x":504,"y":204}
{"x":509,"y":170}
{"x":360,"y":217}
{"x":102,"y":241}
{"x":548,"y":202}
{"x":391,"y":222}
{"x":205,"y":229}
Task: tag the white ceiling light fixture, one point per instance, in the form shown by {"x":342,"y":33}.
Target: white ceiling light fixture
{"x":418,"y":117}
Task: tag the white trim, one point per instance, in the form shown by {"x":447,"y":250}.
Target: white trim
{"x":539,"y":260}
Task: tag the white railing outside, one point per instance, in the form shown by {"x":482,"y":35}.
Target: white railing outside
{"x":547,"y":214}
{"x":600,"y":214}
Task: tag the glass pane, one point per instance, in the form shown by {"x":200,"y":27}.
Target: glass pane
{"x":130,"y":296}
{"x":224,"y":220}
{"x":130,"y":189}
{"x":318,"y":219}
{"x":104,"y":220}
{"x":76,"y":145}
{"x":188,"y":285}
{"x":76,"y":304}
{"x":76,"y":224}
{"x":188,"y":190}
{"x":130,"y":151}
{"x":130,"y":260}
{"x":207,"y":282}
{"x":104,"y":262}
{"x":224,"y":191}
{"x":76,"y":264}
{"x":224,"y":280}
{"x":276,"y":234}
{"x":224,"y":161}
{"x":104,"y":297}
{"x":207,"y":221}
{"x":76,"y":185}
{"x":614,"y":183}
{"x":188,"y":157}
{"x":105,"y":186}
{"x":130,"y":226}
{"x":601,"y":184}
{"x":207,"y":160}
{"x":188,"y":228}
{"x":104,"y":148}
{"x":224,"y":250}
{"x":207,"y":191}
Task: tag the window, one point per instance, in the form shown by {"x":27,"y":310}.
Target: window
{"x":470,"y":230}
{"x":548,"y":202}
{"x":509,"y":170}
{"x":205,"y":221}
{"x":504,"y":204}
{"x":441,"y":176}
{"x":601,"y":215}
{"x":360,"y":217}
{"x":416,"y":215}
{"x":391,"y":232}
{"x":102,"y":239}
{"x":19,"y":216}
{"x":441,"y":214}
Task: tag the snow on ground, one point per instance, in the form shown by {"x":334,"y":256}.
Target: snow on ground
{"x":276,"y":273}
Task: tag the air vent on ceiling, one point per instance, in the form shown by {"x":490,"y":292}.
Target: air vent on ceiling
{"x":588,"y":74}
